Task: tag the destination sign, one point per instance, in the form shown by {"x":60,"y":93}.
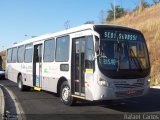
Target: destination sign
{"x":120,"y":35}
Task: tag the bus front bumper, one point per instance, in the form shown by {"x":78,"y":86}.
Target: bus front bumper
{"x":107,"y":93}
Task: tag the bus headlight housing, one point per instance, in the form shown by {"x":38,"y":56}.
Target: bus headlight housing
{"x":103,"y":82}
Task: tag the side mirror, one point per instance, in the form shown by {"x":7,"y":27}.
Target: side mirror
{"x":97,"y":43}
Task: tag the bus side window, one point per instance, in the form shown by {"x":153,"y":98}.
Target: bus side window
{"x":62,"y":49}
{"x":14,"y":55}
{"x":28,"y":53}
{"x":20,"y":56}
{"x":9,"y":54}
{"x":49,"y":50}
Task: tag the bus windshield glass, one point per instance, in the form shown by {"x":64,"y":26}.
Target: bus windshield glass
{"x":122,"y":50}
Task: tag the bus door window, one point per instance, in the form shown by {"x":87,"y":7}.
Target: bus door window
{"x":77,"y":60}
{"x":38,"y":54}
{"x":89,"y":53}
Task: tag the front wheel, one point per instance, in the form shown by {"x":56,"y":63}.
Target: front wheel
{"x":65,"y":94}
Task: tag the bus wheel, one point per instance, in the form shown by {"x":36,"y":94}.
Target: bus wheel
{"x":65,"y":94}
{"x":21,"y":86}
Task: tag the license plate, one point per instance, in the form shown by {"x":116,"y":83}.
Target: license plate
{"x":131,"y":92}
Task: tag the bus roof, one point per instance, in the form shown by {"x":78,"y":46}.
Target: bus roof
{"x":67,"y":31}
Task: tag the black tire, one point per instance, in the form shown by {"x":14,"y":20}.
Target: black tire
{"x":65,"y":94}
{"x":21,"y":86}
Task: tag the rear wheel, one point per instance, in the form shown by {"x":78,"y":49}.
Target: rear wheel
{"x":65,"y":94}
{"x":21,"y":86}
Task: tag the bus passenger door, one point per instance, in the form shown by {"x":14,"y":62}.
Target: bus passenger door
{"x":78,"y":50}
{"x":82,"y":66}
{"x":37,"y":66}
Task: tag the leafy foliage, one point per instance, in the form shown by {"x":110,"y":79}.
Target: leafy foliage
{"x":119,"y":12}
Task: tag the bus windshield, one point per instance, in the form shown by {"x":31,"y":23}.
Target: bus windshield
{"x":119,"y":54}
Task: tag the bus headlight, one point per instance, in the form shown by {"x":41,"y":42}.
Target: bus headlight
{"x":103,"y":82}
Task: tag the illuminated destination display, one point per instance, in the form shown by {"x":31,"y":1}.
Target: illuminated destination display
{"x":120,"y":35}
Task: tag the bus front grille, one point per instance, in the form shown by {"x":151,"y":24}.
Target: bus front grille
{"x":121,"y":86}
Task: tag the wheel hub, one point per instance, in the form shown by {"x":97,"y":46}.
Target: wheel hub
{"x":65,"y":93}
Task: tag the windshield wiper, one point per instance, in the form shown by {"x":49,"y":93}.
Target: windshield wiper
{"x":135,"y":59}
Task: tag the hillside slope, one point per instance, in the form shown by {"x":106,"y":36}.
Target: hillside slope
{"x":147,"y":21}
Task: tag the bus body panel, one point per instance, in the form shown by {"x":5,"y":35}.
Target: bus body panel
{"x":27,"y":76}
{"x":51,"y":76}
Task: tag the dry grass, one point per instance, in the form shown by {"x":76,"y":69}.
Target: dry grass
{"x":147,"y":21}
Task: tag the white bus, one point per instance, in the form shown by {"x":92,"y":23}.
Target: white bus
{"x":91,"y":62}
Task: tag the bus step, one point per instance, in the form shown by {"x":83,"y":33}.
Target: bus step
{"x":37,"y":88}
{"x":76,"y":96}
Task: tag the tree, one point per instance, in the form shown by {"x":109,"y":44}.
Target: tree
{"x":67,"y":24}
{"x":143,"y":4}
{"x":156,"y":1}
{"x":119,"y":12}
